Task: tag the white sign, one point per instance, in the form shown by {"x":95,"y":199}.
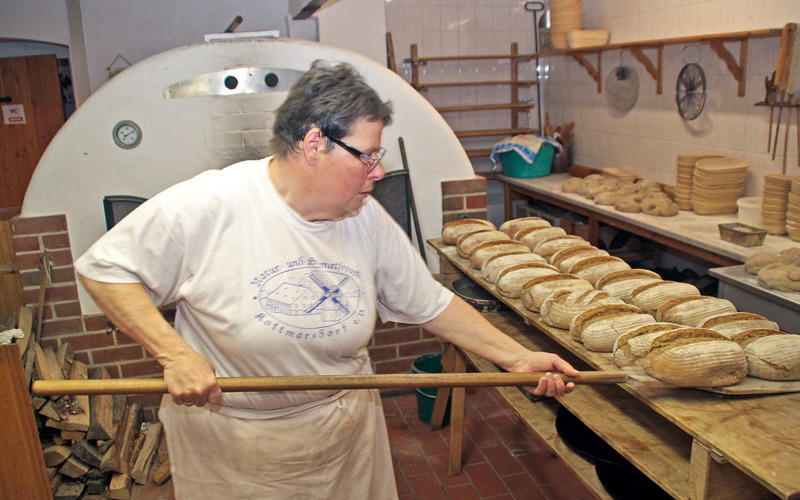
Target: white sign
{"x":14,"y":114}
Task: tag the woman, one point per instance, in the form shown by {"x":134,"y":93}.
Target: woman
{"x":278,"y":267}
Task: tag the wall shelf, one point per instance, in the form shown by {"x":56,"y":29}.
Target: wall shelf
{"x":654,"y":65}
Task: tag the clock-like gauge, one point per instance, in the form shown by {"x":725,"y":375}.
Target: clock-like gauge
{"x":127,"y":134}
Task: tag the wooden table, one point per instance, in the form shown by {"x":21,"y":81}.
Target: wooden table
{"x":693,"y":443}
{"x":697,"y":235}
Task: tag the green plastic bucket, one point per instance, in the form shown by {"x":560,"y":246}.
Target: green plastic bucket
{"x":514,"y":165}
{"x":426,"y":396}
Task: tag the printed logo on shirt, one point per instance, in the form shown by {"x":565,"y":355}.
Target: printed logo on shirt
{"x":309,"y":299}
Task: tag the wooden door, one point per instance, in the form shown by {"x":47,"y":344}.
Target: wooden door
{"x":33,"y":83}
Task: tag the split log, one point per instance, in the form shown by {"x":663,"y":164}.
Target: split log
{"x":78,"y":419}
{"x":144,"y":459}
{"x":105,"y":411}
{"x":74,"y":467}
{"x":87,"y":452}
{"x":70,"y":490}
{"x":56,"y":455}
{"x":162,"y":473}
{"x":65,"y":358}
{"x":120,"y":486}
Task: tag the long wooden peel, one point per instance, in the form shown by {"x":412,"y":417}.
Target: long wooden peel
{"x":322,"y":382}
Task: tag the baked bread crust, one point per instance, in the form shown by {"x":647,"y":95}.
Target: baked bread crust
{"x":494,"y":264}
{"x":692,"y":311}
{"x":536,"y":291}
{"x":631,"y":347}
{"x":511,"y":227}
{"x":486,"y":250}
{"x":468,"y":242}
{"x":771,"y":354}
{"x":560,"y":307}
{"x":452,"y":230}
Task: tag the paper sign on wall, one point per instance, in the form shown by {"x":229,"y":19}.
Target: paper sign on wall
{"x":14,"y":114}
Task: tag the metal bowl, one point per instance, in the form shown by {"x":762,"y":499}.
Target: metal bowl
{"x":476,"y":296}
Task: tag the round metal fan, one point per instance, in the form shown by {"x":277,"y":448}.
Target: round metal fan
{"x":690,"y":91}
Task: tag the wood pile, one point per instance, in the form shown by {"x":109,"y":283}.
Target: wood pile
{"x":92,"y":445}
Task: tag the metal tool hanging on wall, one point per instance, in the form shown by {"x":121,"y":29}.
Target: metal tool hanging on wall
{"x":783,"y":83}
{"x":622,"y":86}
{"x":690,"y":89}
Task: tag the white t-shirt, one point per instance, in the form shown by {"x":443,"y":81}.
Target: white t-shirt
{"x":259,"y":290}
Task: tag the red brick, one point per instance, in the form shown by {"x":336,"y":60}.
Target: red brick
{"x":96,"y":323}
{"x":380,"y":325}
{"x":400,"y":335}
{"x":123,"y":339}
{"x":398,"y":366}
{"x":463,"y":492}
{"x":427,"y":486}
{"x":63,"y":275}
{"x":35,"y":225}
{"x":60,"y":240}
{"x":486,"y":480}
{"x":61,"y":292}
{"x":26,"y":244}
{"x":117,"y":354}
{"x":419,"y":348}
{"x":474,"y":185}
{"x":382,"y":353}
{"x":452,"y":203}
{"x":90,"y":341}
{"x":143,"y":368}
{"x":67,"y":309}
{"x":61,"y":326}
{"x":477,"y":201}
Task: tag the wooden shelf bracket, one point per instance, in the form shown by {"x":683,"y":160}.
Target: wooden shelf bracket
{"x":738,"y":70}
{"x":593,"y":72}
{"x":655,"y":70}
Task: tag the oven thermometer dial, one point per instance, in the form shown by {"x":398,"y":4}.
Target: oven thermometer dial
{"x":127,"y":134}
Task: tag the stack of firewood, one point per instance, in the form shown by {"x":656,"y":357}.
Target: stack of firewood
{"x":94,"y":445}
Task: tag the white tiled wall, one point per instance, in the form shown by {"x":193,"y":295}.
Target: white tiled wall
{"x":646,"y":138}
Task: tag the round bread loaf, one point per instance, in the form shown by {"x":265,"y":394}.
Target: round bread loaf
{"x":532,"y":236}
{"x":730,"y":324}
{"x":650,"y":296}
{"x":594,"y":268}
{"x":571,"y":184}
{"x":621,"y":283}
{"x":536,"y":291}
{"x":511,"y":227}
{"x":549,"y":246}
{"x":560,"y":307}
{"x":493,"y":265}
{"x":510,"y":280}
{"x":692,"y":311}
{"x":468,"y":242}
{"x":754,"y":263}
{"x":564,"y":258}
{"x":490,"y":248}
{"x":630,"y":347}
{"x":792,"y":254}
{"x":593,"y":314}
{"x":696,"y":357}
{"x":601,"y":335}
{"x":783,"y":277}
{"x":771,"y":354}
{"x":453,"y":230}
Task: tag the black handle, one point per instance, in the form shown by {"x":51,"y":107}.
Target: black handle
{"x":5,"y":99}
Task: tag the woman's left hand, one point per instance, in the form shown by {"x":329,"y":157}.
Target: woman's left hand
{"x":551,"y":384}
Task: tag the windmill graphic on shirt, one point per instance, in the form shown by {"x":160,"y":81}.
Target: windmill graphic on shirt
{"x":328,"y":296}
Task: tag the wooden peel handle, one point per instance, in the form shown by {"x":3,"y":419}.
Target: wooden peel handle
{"x":321,"y":382}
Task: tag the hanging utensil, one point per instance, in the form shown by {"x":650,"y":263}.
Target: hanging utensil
{"x":622,"y":86}
{"x":788,"y":39}
{"x":690,"y":89}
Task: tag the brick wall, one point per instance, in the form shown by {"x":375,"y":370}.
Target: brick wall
{"x":393,"y":347}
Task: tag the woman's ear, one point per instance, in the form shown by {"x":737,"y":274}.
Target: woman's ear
{"x":313,"y":145}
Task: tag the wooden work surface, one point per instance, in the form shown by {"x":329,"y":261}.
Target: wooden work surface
{"x":688,"y":232}
{"x":669,"y":433}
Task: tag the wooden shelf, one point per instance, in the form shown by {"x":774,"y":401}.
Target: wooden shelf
{"x":518,"y":83}
{"x":493,"y":132}
{"x":737,"y":68}
{"x":485,"y":107}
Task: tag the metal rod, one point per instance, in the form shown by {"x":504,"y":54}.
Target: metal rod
{"x":321,"y":382}
{"x":414,"y":216}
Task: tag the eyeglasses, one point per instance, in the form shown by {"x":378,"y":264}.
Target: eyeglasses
{"x":370,"y":160}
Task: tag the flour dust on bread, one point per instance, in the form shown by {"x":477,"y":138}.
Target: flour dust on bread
{"x":451,"y":231}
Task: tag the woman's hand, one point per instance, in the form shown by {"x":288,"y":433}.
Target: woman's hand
{"x":551,"y":384}
{"x":190,"y":379}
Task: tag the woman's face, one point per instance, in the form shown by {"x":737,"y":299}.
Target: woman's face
{"x":342,"y":181}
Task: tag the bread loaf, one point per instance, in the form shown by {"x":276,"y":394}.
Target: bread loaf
{"x":493,"y":265}
{"x":730,"y":324}
{"x":696,"y":357}
{"x":630,"y":347}
{"x":600,"y":335}
{"x":468,"y":242}
{"x":621,"y":283}
{"x":594,"y":268}
{"x":453,"y":230}
{"x":564,"y":258}
{"x":783,"y":277}
{"x":650,"y":296}
{"x":571,"y":184}
{"x":692,"y":311}
{"x":510,"y":281}
{"x":593,"y":314}
{"x":771,"y":355}
{"x":560,"y":307}
{"x":490,"y":248}
{"x":532,"y":236}
{"x":535,"y":291}
{"x":511,"y":227}
{"x":549,"y":246}
{"x":754,"y":263}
